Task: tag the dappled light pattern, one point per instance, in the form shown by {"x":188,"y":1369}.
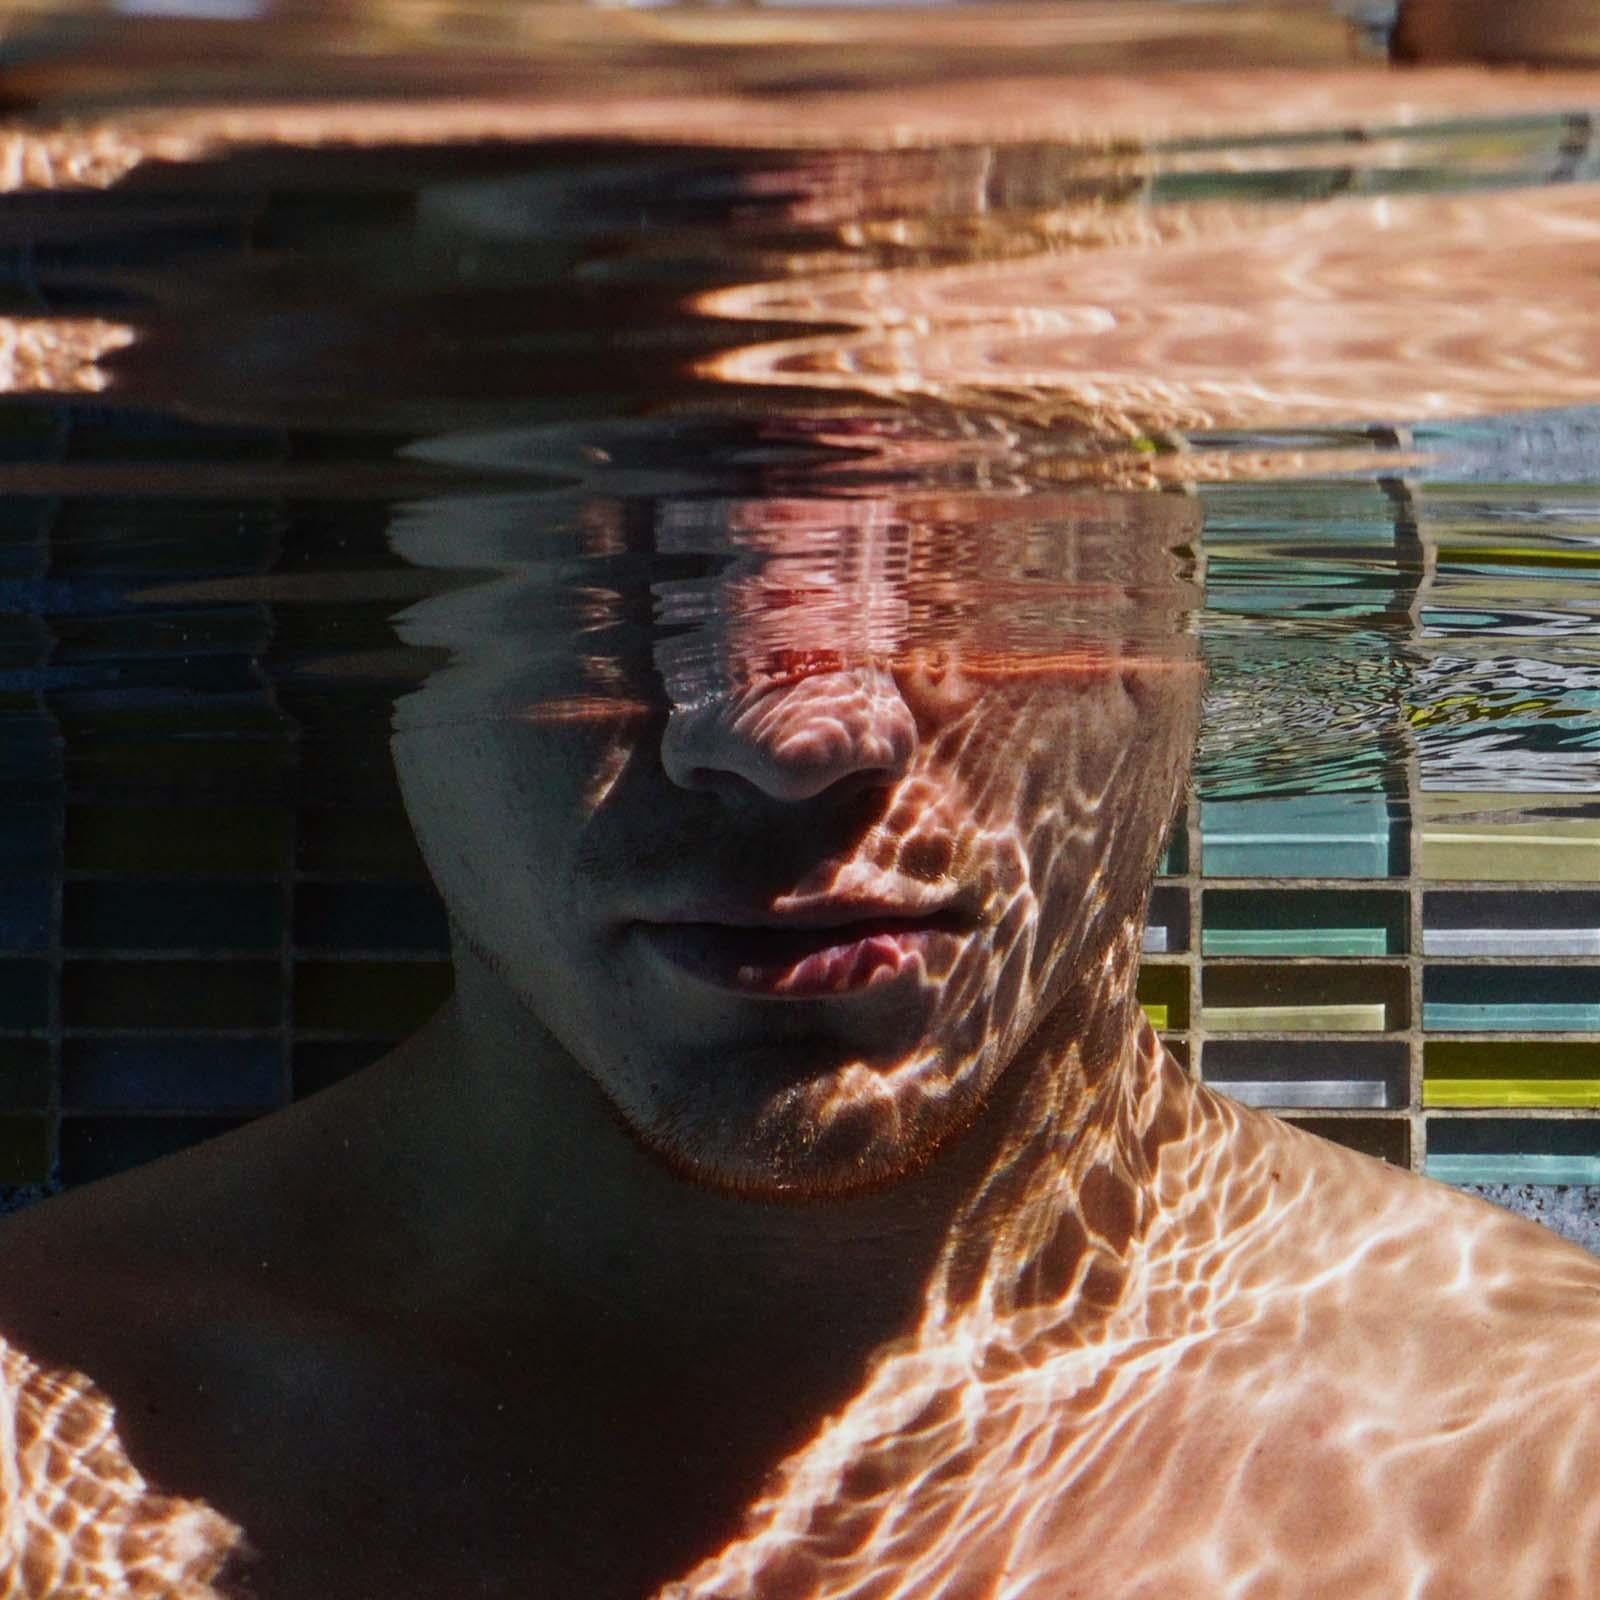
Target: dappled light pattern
{"x":922,"y":724}
{"x":1169,"y":1352}
{"x":77,"y":1520}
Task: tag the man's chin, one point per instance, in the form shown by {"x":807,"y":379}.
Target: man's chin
{"x":833,"y":1133}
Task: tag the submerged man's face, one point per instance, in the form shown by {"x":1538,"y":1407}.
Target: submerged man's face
{"x":794,"y":883}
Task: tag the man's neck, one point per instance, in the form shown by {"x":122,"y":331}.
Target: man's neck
{"x":529,"y":1190}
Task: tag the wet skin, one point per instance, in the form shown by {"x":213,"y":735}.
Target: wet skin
{"x":895,"y":1259}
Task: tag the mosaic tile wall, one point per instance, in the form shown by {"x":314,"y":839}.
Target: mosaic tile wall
{"x":208,"y":911}
{"x":1412,"y":966}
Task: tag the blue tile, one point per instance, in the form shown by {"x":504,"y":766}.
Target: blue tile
{"x":27,"y":836}
{"x":369,"y":916}
{"x":1511,"y":999}
{"x":24,"y":914}
{"x":148,"y":1074}
{"x":172,"y":914}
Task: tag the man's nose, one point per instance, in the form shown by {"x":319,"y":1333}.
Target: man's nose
{"x":792,"y":741}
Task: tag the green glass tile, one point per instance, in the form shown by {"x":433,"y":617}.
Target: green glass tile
{"x":1515,"y":1167}
{"x":1511,"y":999}
{"x":1305,"y":997}
{"x":1511,"y":1072}
{"x":1165,"y":990}
{"x":1462,"y":838}
{"x":1531,"y":1016}
{"x":1305,"y":922}
{"x":1511,"y":1092}
{"x":1175,"y":857}
{"x":1514,"y":1149}
{"x":1311,"y":1018}
{"x":1295,"y":941}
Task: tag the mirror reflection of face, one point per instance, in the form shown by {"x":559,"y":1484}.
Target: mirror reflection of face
{"x":791,"y":825}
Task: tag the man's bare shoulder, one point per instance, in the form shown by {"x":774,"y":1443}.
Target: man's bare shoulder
{"x":1360,"y":1384}
{"x":1411,"y":1262}
{"x":1437,"y":1350}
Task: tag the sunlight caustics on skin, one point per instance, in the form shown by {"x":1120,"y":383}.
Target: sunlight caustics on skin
{"x":1124,"y":1400}
{"x":78,"y":1519}
{"x":993,"y":662}
{"x":57,"y":355}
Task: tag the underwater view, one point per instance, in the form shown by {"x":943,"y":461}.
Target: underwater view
{"x":802,"y":802}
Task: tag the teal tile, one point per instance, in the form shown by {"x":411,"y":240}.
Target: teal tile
{"x":1312,"y":836}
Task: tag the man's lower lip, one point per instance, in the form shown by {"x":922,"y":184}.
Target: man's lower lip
{"x":801,"y":963}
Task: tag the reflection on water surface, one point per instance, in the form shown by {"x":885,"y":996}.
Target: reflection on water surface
{"x":714,"y":534}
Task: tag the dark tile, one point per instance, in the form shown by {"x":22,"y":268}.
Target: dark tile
{"x":1387,"y":1138}
{"x":375,"y":844}
{"x":193,"y":840}
{"x":24,"y":914}
{"x":1565,"y":1136}
{"x":319,"y":1066}
{"x":1309,"y":984}
{"x":174,"y":1074}
{"x":24,"y":994}
{"x":171,"y":994}
{"x":1168,"y":910}
{"x":1175,"y":856}
{"x":25,"y":1075}
{"x":172,"y":914}
{"x":375,"y":999}
{"x":24,"y":1149}
{"x":369,"y":916}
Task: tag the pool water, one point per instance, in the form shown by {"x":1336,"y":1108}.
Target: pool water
{"x":319,"y":334}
